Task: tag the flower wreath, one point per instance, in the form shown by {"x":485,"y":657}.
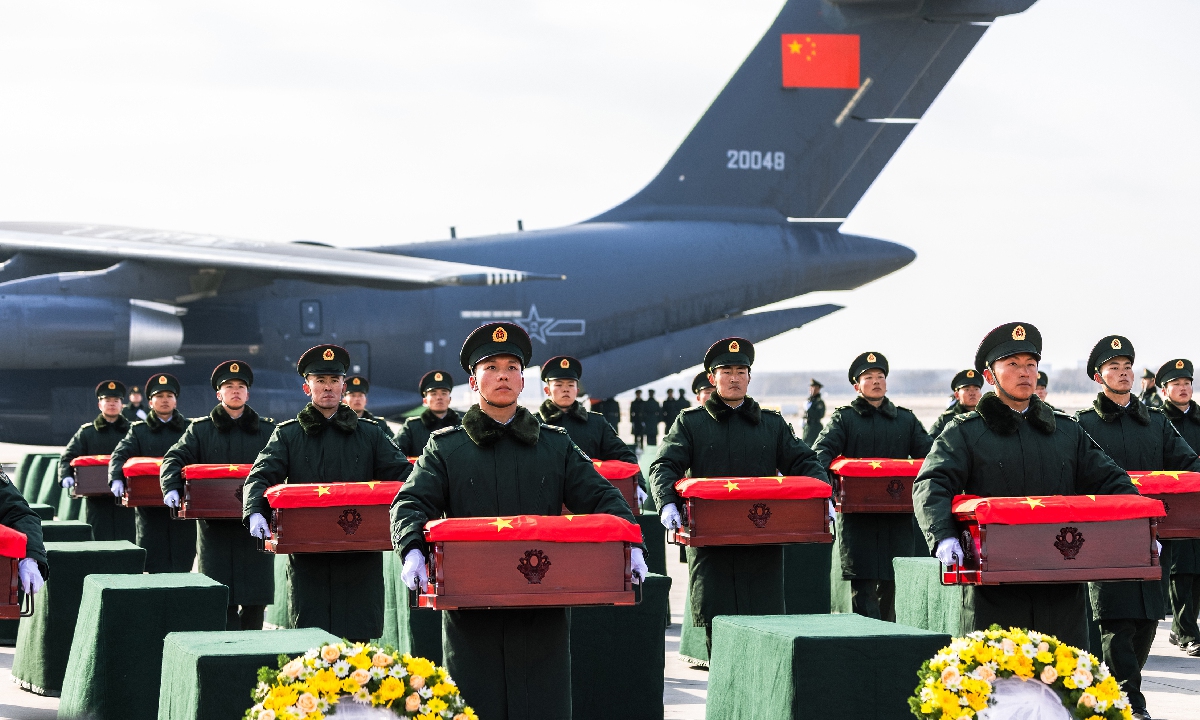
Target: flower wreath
{"x":957,"y":682}
{"x":309,"y":687}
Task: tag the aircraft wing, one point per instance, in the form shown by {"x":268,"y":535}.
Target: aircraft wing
{"x":297,"y":261}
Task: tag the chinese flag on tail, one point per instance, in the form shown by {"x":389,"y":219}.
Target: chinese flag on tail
{"x":820,"y":61}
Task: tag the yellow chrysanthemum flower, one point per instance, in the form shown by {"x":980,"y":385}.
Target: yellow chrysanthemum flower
{"x":418,"y":666}
{"x":441,"y":689}
{"x":390,"y":689}
{"x":350,"y":687}
{"x":360,"y":661}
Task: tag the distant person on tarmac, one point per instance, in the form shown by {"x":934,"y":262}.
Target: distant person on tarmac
{"x":136,"y":409}
{"x":968,"y":388}
{"x":635,"y":418}
{"x":651,"y":417}
{"x":814,"y":413}
{"x":1150,"y":396}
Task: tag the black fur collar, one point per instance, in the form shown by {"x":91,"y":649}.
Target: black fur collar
{"x":1109,"y":411}
{"x":177,"y":422}
{"x":247,"y":421}
{"x":553,"y":414}
{"x":485,"y":431}
{"x":121,"y":424}
{"x":1174,"y":414}
{"x":433,"y":422}
{"x":861,"y":406}
{"x":721,"y":412}
{"x":1002,"y":420}
{"x":314,"y":423}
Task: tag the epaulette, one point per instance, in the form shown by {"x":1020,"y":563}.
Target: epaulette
{"x":694,"y":408}
{"x":769,"y":410}
{"x":266,"y":419}
{"x":1153,"y":409}
{"x":445,"y":431}
{"x":200,"y":419}
{"x":901,"y":407}
{"x":555,"y":428}
{"x":289,"y":421}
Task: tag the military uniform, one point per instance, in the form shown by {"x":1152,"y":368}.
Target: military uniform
{"x":700,"y":383}
{"x":1184,"y":554}
{"x":340,"y":592}
{"x":359,"y":384}
{"x":998,"y":452}
{"x":635,"y":418}
{"x":134,"y":413}
{"x":651,"y":417}
{"x":1150,"y":396}
{"x":512,"y":664}
{"x":170,"y":545}
{"x":16,"y":514}
{"x":814,"y":413}
{"x":612,"y":412}
{"x":227,"y":554}
{"x":715,"y":440}
{"x":109,"y":520}
{"x":868,"y":542}
{"x":961,"y":380}
{"x":413,"y":435}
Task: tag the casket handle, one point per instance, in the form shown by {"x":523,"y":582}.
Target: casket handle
{"x":27,"y":605}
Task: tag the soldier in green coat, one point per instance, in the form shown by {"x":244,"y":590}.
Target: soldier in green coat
{"x":1136,"y":437}
{"x":231,"y":433}
{"x":1012,"y":445}
{"x":967,"y":386}
{"x":1175,"y":379}
{"x":355,"y":398}
{"x":702,"y":388}
{"x":170,"y":545}
{"x":109,"y":520}
{"x":33,"y":569}
{"x":512,"y":664}
{"x":1150,"y":396}
{"x":136,"y":409}
{"x":729,"y":435}
{"x":339,"y":592}
{"x":814,"y":413}
{"x":435,"y":388}
{"x":589,"y":430}
{"x":871,"y":426}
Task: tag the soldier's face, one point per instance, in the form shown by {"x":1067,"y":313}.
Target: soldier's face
{"x":233,"y":394}
{"x":135,"y":398}
{"x":357,"y":401}
{"x":163,"y":403}
{"x":703,"y":396}
{"x":733,"y":382}
{"x":872,"y":385}
{"x":325,"y":390}
{"x":110,"y":407}
{"x":437,"y":400}
{"x":562,"y":392}
{"x":499,"y":379}
{"x":1015,"y":375}
{"x":1040,"y":391}
{"x":1179,"y":391}
{"x":968,"y":395}
{"x":1116,"y":375}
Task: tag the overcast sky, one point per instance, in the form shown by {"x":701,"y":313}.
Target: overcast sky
{"x":1053,"y":181}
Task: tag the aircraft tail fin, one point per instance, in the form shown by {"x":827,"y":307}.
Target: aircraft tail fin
{"x":816,"y":111}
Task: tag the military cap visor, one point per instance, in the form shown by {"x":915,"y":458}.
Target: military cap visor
{"x":730,"y":352}
{"x":162,"y":382}
{"x":1109,"y":347}
{"x":1009,"y":339}
{"x":435,"y":380}
{"x":1043,"y":379}
{"x":357,"y":383}
{"x":110,"y":388}
{"x":701,"y":383}
{"x":562,"y":367}
{"x":815,"y":384}
{"x":1173,"y":370}
{"x":324,"y":360}
{"x":232,"y":370}
{"x":501,"y":338}
{"x":966,"y":378}
{"x":867,"y":361}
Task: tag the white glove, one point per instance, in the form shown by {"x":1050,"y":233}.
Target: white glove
{"x":171,"y":499}
{"x":117,"y":487}
{"x":68,"y":482}
{"x":413,"y":574}
{"x":637,"y":564}
{"x":670,"y":517}
{"x":1158,"y":548}
{"x":641,"y":495}
{"x":258,"y":526}
{"x":31,"y":576}
{"x":949,"y":552}
{"x":829,"y":511}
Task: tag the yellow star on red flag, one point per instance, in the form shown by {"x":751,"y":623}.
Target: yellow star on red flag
{"x":875,"y":464}
{"x":794,"y":47}
{"x":371,"y":483}
{"x":1173,"y":473}
{"x":322,"y":490}
{"x":569,"y":517}
{"x":502,"y":523}
{"x":1093,"y":497}
{"x":731,"y":485}
{"x":1135,"y":481}
{"x":233,"y":468}
{"x":1033,"y":502}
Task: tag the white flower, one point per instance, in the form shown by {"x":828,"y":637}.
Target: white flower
{"x":378,"y":673}
{"x":1085,"y":661}
{"x":362,"y":696}
{"x":1028,"y":650}
{"x":426,"y":693}
{"x":312,"y":654}
{"x":449,"y":681}
{"x":1101,"y":706}
{"x":398,"y":671}
{"x":962,"y":701}
{"x":323,"y":706}
{"x":341,"y":668}
{"x":1120,"y":704}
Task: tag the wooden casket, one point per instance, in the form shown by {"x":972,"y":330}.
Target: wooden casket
{"x":91,"y":476}
{"x":874,"y":485}
{"x":141,"y":482}
{"x":1055,"y":539}
{"x":1179,"y":493}
{"x":213,"y":491}
{"x":752,"y":511}
{"x":623,"y":475}
{"x":331,"y":517}
{"x":12,"y":550}
{"x":530,"y":561}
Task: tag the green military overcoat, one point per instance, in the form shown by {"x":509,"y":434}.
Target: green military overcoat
{"x":715,"y":440}
{"x":947,"y":415}
{"x":512,"y":664}
{"x":998,"y":452}
{"x":170,"y":544}
{"x":16,"y":514}
{"x":1185,"y":554}
{"x":340,"y":592}
{"x":591,"y":432}
{"x":228,"y":554}
{"x":109,"y":520}
{"x":814,"y":413}
{"x":413,"y":435}
{"x":1136,"y":437}
{"x":869,"y":541}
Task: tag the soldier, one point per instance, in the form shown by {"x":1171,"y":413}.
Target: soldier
{"x":340,"y":592}
{"x":635,"y":418}
{"x":670,"y":408}
{"x":1136,"y":437}
{"x":15,"y":513}
{"x":872,"y":426}
{"x":135,"y":410}
{"x":109,"y":520}
{"x":231,"y":433}
{"x":1175,"y":379}
{"x":357,"y":388}
{"x":1043,"y":384}
{"x":1150,"y":396}
{"x":651,"y":417}
{"x":1012,"y":445}
{"x":435,"y":387}
{"x":814,"y":413}
{"x":702,"y":387}
{"x":612,"y":412}
{"x":682,"y":403}
{"x":730,"y":435}
{"x":588,"y":430}
{"x":501,"y":461}
{"x":170,"y":546}
{"x":967,"y":386}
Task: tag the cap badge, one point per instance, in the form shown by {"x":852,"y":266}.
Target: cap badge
{"x":162,"y":379}
{"x":235,"y":368}
{"x":970,"y":373}
{"x":328,"y":354}
{"x":499,"y":335}
{"x":564,"y":363}
{"x":735,"y":347}
{"x":356,"y":381}
{"x":1116,"y":343}
{"x":113,"y":386}
{"x":1018,"y":333}
{"x":870,"y":357}
{"x":437,"y":376}
{"x":1178,"y":364}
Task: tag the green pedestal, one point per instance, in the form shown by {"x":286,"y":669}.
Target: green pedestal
{"x":211,"y":674}
{"x":66,"y":531}
{"x":921,"y":599}
{"x":693,"y":644}
{"x":277,"y":612}
{"x":44,"y":511}
{"x":48,"y":495}
{"x":44,"y":640}
{"x":33,"y":477}
{"x":22,"y":471}
{"x":69,"y":508}
{"x":804,"y":666}
{"x":620,"y":647}
{"x":116,"y":655}
{"x":806,"y":578}
{"x":417,"y":631}
{"x":655,"y":537}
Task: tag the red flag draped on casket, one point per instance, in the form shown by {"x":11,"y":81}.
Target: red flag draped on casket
{"x":331,"y":517}
{"x":90,"y":461}
{"x":752,"y":511}
{"x":1179,"y":493}
{"x":141,"y":482}
{"x":91,"y":476}
{"x":550,"y":528}
{"x":314,"y":495}
{"x":216,"y":471}
{"x":874,"y":485}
